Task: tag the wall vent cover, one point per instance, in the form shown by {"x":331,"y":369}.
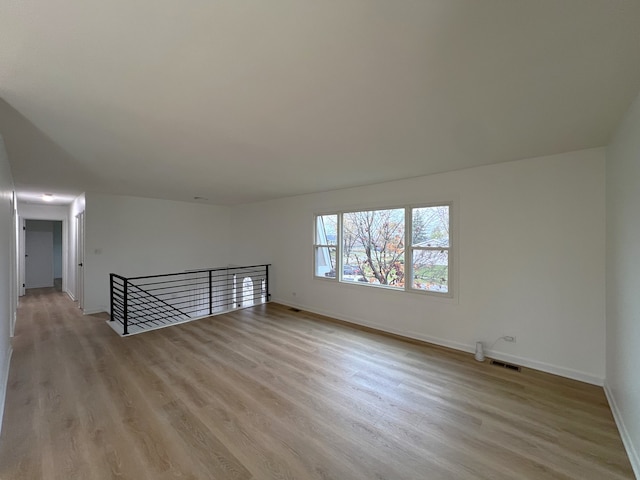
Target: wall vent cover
{"x":508,"y":366}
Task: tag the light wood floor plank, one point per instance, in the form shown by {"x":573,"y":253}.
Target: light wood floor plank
{"x":267,"y":393}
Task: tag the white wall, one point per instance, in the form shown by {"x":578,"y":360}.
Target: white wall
{"x":623,"y":281}
{"x":7,"y":269}
{"x":530,"y":260}
{"x":32,"y":211}
{"x":134,"y":236}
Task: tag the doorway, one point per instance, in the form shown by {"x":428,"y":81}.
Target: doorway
{"x":247,"y":292}
{"x":43,"y":254}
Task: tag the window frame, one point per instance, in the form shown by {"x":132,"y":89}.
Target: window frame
{"x":408,"y":253}
{"x":327,"y":245}
{"x":411,"y":249}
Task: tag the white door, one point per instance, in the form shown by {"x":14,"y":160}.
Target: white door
{"x":21,"y":257}
{"x":38,"y":259}
{"x":80,"y":259}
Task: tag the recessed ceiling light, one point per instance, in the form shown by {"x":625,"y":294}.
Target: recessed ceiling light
{"x":47,"y":197}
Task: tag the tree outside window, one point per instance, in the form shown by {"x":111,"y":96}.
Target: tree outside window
{"x":430,"y":248}
{"x":374,"y":243}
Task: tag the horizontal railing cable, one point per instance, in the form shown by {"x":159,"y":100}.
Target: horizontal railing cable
{"x":157,"y":300}
{"x":217,"y":269}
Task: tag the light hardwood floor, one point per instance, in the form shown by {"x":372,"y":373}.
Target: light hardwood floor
{"x":267,"y":393}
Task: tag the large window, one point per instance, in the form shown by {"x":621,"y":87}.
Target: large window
{"x":398,"y":248}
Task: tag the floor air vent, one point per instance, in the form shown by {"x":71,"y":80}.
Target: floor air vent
{"x":506,"y":365}
{"x":292,"y":309}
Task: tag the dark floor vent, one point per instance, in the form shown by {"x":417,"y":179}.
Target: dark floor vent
{"x":506,"y":365}
{"x":293,"y":309}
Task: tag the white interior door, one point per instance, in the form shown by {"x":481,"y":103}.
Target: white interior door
{"x":80,"y":259}
{"x":21,"y":258}
{"x":38,"y":259}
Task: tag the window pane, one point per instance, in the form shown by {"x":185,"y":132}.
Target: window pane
{"x":326,"y":229}
{"x":431,"y":226}
{"x":431,"y":270}
{"x":373,"y":247}
{"x":326,"y":262}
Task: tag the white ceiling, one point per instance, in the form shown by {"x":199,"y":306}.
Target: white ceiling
{"x":238,"y":101}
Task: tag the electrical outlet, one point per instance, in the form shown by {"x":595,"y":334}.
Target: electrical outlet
{"x":509,"y":338}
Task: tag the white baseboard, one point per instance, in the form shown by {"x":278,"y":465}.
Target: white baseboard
{"x":525,"y":362}
{"x":73,"y":299}
{"x":548,"y":368}
{"x":632,"y":452}
{"x":93,"y":311}
{"x":4,"y":384}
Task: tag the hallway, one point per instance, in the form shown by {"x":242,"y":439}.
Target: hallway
{"x":53,"y":390}
{"x":266,"y":393}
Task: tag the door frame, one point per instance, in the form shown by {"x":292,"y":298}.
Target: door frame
{"x":21,"y":256}
{"x":39,"y":250}
{"x":15,"y":267}
{"x":21,"y":248}
{"x":79,"y":260}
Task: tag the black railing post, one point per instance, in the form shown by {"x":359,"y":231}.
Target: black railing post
{"x":210,"y":293}
{"x":268,"y":294}
{"x":124,"y":307}
{"x":111,"y":296}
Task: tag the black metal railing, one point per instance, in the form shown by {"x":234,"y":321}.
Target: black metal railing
{"x":154,"y":301}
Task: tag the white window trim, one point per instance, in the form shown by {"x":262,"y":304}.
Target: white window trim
{"x":316,"y":246}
